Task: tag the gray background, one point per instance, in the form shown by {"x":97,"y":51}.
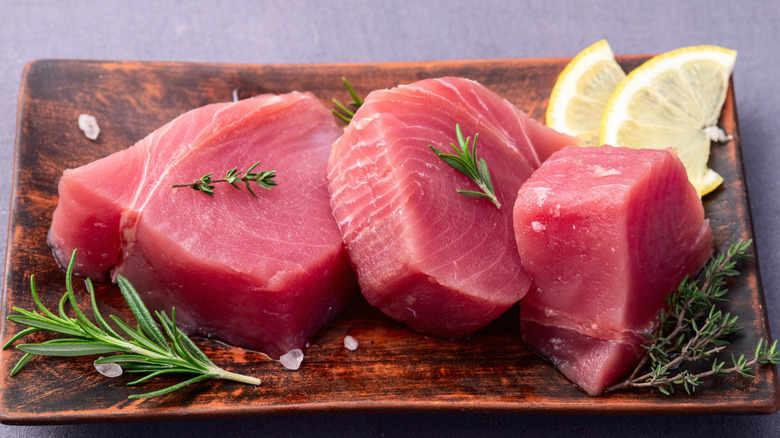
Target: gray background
{"x":353,"y":31}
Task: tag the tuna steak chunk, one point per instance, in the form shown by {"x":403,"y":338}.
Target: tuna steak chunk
{"x":263,"y":273}
{"x":606,"y":233}
{"x":441,"y":262}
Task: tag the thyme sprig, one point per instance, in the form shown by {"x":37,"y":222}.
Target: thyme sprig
{"x":693,"y":329}
{"x":466,"y":162}
{"x":205,"y":184}
{"x":146,"y":349}
{"x":341,"y":111}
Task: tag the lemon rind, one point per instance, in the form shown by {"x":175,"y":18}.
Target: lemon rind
{"x":669,"y":60}
{"x":709,"y":180}
{"x":566,"y":84}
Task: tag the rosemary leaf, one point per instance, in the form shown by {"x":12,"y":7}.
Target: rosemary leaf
{"x":123,"y":359}
{"x":20,"y":335}
{"x":21,"y":363}
{"x":465,"y":161}
{"x":139,"y":338}
{"x":172,"y":388}
{"x":140,"y":312}
{"x":96,"y":312}
{"x":147,"y":350}
{"x":341,"y":111}
{"x":75,"y":347}
{"x":186,"y":343}
{"x":41,"y":323}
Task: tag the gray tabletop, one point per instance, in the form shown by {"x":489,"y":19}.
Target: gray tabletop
{"x":296,"y":31}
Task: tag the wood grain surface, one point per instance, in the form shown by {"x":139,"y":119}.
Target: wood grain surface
{"x":394,"y":368}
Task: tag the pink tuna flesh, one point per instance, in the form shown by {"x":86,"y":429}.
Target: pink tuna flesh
{"x":606,"y":233}
{"x":263,"y":273}
{"x":441,"y":262}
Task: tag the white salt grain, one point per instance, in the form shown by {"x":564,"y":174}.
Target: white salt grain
{"x":716,"y":134}
{"x":89,"y":125}
{"x":538,"y":227}
{"x":599,"y":171}
{"x":109,"y":369}
{"x":292,"y":359}
{"x":350,"y":343}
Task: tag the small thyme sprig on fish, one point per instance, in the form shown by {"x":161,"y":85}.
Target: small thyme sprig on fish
{"x":342,"y":111}
{"x":233,"y":176}
{"x":693,"y":329}
{"x":466,"y":162}
{"x":149,"y":350}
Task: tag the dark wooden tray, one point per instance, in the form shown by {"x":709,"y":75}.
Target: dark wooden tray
{"x":394,"y":369}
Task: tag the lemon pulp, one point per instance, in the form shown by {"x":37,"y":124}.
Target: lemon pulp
{"x":673,"y":100}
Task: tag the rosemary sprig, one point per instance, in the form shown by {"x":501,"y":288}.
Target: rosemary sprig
{"x":233,"y":176}
{"x":693,"y":329}
{"x":342,"y":112}
{"x":149,"y":349}
{"x":466,"y":162}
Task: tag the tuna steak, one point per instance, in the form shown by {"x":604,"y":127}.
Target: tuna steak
{"x":443,"y":263}
{"x":606,"y":233}
{"x":263,"y":273}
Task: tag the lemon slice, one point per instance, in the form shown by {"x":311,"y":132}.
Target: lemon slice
{"x":581,"y":93}
{"x":674,"y":100}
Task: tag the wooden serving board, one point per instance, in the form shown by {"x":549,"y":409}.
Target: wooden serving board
{"x":394,"y":368}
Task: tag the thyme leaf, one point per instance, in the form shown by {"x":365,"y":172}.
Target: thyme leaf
{"x":342,"y":111}
{"x":149,"y":349}
{"x":465,"y":161}
{"x":205,"y":184}
{"x":692,"y":329}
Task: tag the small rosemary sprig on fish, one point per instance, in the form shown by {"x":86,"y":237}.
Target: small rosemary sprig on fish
{"x":205,"y":184}
{"x":466,"y":162}
{"x":342,"y":112}
{"x":147,"y":349}
{"x":694,"y":330}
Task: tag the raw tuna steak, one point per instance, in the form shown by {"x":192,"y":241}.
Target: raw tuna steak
{"x":606,"y":233}
{"x":263,"y":273}
{"x":441,"y":262}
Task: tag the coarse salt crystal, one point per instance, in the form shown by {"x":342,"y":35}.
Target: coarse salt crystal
{"x":89,"y":125}
{"x":109,"y":369}
{"x":292,"y":359}
{"x":602,"y":171}
{"x":350,"y":343}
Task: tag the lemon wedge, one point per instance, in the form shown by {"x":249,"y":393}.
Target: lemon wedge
{"x":581,"y":92}
{"x":673,"y":100}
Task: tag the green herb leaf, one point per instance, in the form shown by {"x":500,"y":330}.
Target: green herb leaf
{"x":148,"y":350}
{"x":174,"y":387}
{"x":465,"y":161}
{"x":694,"y":330}
{"x":341,"y":111}
{"x":72,"y":348}
{"x":205,"y":184}
{"x":141,"y":313}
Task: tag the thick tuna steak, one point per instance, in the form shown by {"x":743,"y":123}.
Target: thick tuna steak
{"x":443,"y":263}
{"x":606,"y":233}
{"x":263,"y":273}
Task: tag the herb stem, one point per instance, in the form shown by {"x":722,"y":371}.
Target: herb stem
{"x":264,"y":179}
{"x":679,"y":326}
{"x":692,"y":329}
{"x":224,"y":374}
